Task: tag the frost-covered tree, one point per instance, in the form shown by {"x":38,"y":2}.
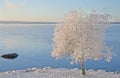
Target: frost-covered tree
{"x":81,"y":36}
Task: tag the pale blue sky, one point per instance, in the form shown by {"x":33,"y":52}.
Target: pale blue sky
{"x":54,"y":10}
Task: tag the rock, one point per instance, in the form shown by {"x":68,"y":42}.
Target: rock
{"x":10,"y":56}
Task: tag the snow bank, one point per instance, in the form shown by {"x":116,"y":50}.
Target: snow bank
{"x":57,"y":73}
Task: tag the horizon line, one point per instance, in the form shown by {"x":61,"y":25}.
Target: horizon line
{"x":36,"y":22}
{"x":27,"y":22}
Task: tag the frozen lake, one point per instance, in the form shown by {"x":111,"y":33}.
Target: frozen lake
{"x":33,"y":43}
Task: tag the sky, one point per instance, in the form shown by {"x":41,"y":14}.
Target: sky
{"x":54,"y":10}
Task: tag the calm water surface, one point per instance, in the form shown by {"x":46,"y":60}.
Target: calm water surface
{"x":33,"y":43}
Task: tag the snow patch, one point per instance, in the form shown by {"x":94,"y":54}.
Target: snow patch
{"x":49,"y":72}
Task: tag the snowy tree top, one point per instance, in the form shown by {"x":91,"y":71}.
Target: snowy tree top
{"x":81,"y":36}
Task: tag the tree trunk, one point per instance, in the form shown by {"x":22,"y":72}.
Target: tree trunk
{"x":83,"y":67}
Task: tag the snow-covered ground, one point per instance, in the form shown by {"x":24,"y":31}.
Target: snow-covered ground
{"x":57,"y":73}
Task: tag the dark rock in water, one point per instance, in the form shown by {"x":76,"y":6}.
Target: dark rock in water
{"x":10,"y":56}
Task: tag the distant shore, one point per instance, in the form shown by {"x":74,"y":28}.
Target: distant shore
{"x":25,"y":22}
{"x":115,"y":22}
{"x":30,"y":22}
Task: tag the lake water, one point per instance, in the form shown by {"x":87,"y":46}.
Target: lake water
{"x":33,"y":43}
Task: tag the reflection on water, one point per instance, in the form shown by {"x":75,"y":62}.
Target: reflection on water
{"x":33,"y":43}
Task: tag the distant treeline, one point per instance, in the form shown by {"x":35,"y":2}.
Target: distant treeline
{"x":115,"y":22}
{"x":24,"y":22}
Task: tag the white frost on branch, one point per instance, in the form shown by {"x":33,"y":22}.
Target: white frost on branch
{"x":81,"y":36}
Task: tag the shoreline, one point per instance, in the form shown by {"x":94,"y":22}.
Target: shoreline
{"x":49,"y":72}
